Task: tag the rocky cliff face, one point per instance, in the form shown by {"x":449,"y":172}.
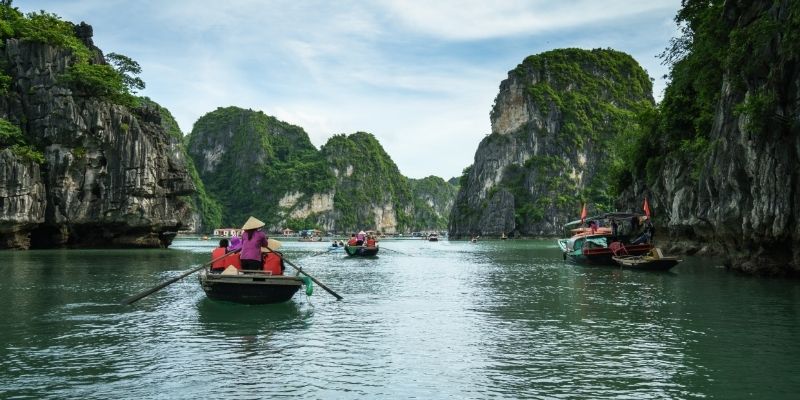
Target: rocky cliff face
{"x":110,"y":176}
{"x":254,"y":164}
{"x":370,"y":191}
{"x":434,"y":198}
{"x":555,"y":125}
{"x":745,"y":202}
{"x":257,"y":165}
{"x":22,"y":200}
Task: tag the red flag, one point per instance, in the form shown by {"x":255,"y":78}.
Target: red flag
{"x":583,"y":213}
{"x":646,"y":208}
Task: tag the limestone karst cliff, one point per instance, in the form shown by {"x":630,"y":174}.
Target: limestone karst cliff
{"x":88,"y":167}
{"x":255,"y":164}
{"x":720,"y":159}
{"x":434,"y":198}
{"x":559,"y":123}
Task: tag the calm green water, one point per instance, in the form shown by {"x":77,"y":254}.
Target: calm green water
{"x":447,"y":320}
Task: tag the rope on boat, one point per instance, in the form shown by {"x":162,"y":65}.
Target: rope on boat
{"x":309,"y":285}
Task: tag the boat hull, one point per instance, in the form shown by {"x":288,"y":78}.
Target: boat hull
{"x":249,"y":288}
{"x":644,"y":263}
{"x":604,"y":255}
{"x":360,"y":251}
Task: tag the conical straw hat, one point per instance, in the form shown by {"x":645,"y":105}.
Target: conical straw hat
{"x":272,"y":244}
{"x":231,"y":270}
{"x":252,"y":223}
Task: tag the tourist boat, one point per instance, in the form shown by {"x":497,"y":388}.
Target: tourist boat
{"x":360,"y":251}
{"x":654,"y":260}
{"x":433,"y":237}
{"x":251,"y":287}
{"x":597,"y":247}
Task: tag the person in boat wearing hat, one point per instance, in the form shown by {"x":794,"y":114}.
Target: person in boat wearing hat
{"x":273,"y":260}
{"x":253,"y":239}
{"x":360,"y":238}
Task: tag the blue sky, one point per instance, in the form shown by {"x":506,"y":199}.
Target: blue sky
{"x":419,"y":75}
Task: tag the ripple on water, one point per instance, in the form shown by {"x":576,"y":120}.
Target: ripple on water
{"x":444,"y":320}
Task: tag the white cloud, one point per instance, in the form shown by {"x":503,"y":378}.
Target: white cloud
{"x":480,"y":19}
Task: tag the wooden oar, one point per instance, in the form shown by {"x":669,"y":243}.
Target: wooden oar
{"x":322,"y":285}
{"x":139,"y":296}
{"x":400,"y":252}
{"x":324,"y":252}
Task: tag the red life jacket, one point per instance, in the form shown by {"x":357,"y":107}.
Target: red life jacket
{"x":222,"y":263}
{"x":370,"y":242}
{"x":272,"y":264}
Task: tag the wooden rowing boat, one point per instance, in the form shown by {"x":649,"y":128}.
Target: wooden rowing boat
{"x":360,"y":251}
{"x":655,"y":260}
{"x":250,"y":287}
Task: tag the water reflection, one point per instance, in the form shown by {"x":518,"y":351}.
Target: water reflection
{"x":431,"y":320}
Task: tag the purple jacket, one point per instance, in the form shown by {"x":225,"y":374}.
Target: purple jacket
{"x":251,"y":248}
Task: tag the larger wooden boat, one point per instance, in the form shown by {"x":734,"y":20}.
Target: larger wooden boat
{"x":654,"y":260}
{"x":597,"y":246}
{"x":254,"y":287}
{"x":360,"y":251}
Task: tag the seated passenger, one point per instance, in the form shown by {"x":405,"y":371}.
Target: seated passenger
{"x":221,"y":260}
{"x":370,"y":241}
{"x":273,"y":263}
{"x":353,"y":241}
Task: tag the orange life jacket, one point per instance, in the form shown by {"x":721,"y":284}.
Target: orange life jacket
{"x":272,"y":264}
{"x":222,"y":263}
{"x":370,"y":242}
{"x":352,"y":241}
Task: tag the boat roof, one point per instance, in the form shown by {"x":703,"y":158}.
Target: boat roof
{"x":603,"y":217}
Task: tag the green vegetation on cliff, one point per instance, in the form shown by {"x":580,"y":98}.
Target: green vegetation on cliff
{"x":433,"y":199}
{"x":366,"y":178}
{"x":254,"y":164}
{"x":598,"y":95}
{"x":596,"y":91}
{"x":248,"y":160}
{"x":609,"y":90}
{"x":11,"y":137}
{"x":709,"y":44}
{"x":86,"y":75}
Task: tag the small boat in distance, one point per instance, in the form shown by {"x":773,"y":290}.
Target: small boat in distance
{"x":655,"y":260}
{"x":360,"y":251}
{"x":433,"y":237}
{"x":251,"y":287}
